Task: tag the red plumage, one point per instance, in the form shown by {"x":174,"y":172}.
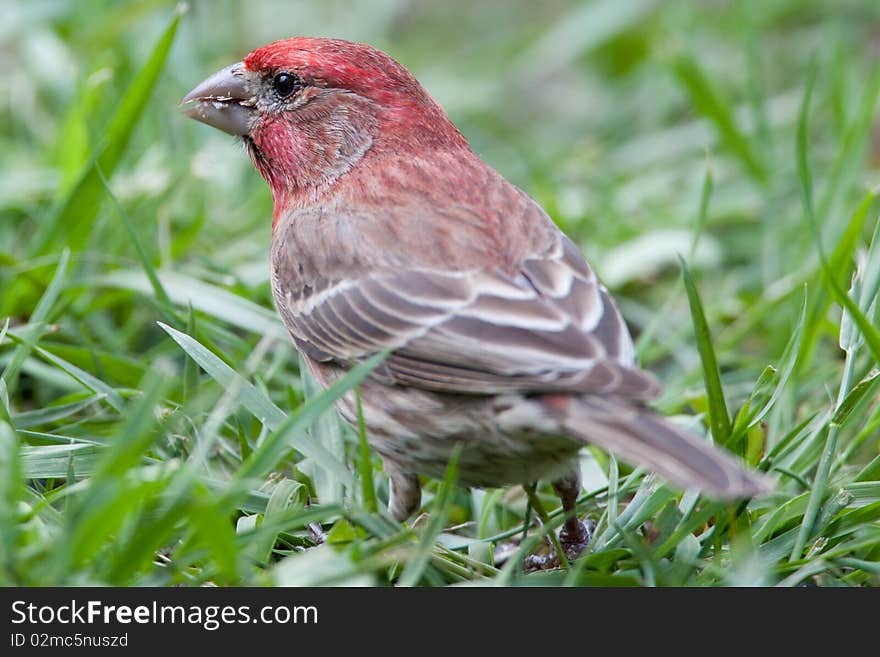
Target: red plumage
{"x":390,"y":233}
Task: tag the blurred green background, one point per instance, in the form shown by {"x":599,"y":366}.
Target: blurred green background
{"x":647,"y":129}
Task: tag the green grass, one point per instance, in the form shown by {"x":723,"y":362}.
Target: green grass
{"x":155,"y":428}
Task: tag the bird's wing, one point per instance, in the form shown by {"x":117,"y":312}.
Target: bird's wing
{"x":551,"y":326}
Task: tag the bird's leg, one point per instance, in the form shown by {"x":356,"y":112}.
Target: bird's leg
{"x":405,"y":493}
{"x":574,"y":535}
{"x":561,"y":559}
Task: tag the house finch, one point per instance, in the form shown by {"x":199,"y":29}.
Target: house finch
{"x":389,"y":232}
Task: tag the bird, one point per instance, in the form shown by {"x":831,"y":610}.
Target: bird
{"x":390,"y":234}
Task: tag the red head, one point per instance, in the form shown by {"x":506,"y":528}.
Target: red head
{"x":310,"y":109}
{"x":338,"y":64}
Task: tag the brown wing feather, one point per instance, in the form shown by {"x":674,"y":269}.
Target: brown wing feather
{"x":551,"y":326}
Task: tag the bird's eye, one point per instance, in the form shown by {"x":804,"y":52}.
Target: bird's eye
{"x":285,"y":84}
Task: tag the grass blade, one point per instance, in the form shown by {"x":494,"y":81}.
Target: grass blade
{"x":326,"y":433}
{"x":79,"y":375}
{"x":415,"y":567}
{"x":839,"y":261}
{"x":719,"y":419}
{"x":47,"y":461}
{"x":162,"y":301}
{"x":50,"y":414}
{"x":279,"y":441}
{"x":207,"y":298}
{"x":10,"y":491}
{"x":251,"y":397}
{"x":707,"y":102}
{"x":71,"y":221}
{"x":703,"y":213}
{"x":365,"y":465}
{"x":870,"y":333}
{"x":41,"y":312}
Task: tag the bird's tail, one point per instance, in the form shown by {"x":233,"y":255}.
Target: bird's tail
{"x":641,"y":437}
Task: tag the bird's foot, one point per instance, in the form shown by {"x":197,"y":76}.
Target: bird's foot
{"x":318,"y":533}
{"x":535,"y":562}
{"x":574,"y":541}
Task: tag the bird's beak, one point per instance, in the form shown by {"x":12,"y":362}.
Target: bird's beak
{"x":223,"y":101}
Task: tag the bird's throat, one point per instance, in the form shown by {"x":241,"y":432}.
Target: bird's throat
{"x":303,"y":156}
